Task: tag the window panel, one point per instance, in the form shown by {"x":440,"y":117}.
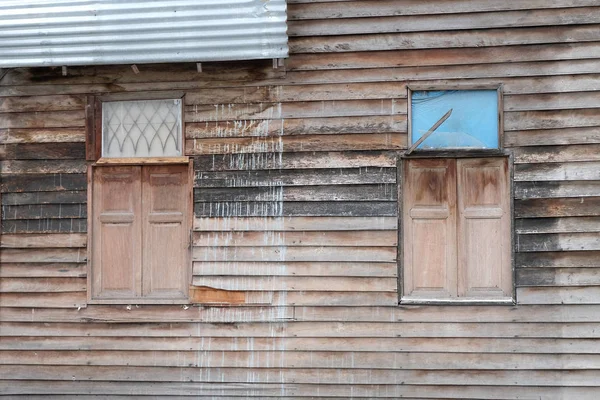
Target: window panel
{"x":144,"y":128}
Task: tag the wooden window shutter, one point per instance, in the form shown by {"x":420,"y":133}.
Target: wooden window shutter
{"x":166,"y":191}
{"x":484,"y":228}
{"x":429,"y":216}
{"x":116,"y":216}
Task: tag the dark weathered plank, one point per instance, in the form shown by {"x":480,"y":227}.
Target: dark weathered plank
{"x":296,"y":208}
{"x":60,"y":197}
{"x":558,"y":277}
{"x":561,"y":207}
{"x":45,"y":151}
{"x":572,"y":259}
{"x":43,"y":182}
{"x":44,"y":211}
{"x":43,"y":166}
{"x":41,"y":103}
{"x":298,"y":126}
{"x":382,"y":192}
{"x":275,"y":178}
{"x":52,"y":119}
{"x":64,"y":225}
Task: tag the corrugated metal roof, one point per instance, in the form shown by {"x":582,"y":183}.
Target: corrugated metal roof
{"x":86,"y":32}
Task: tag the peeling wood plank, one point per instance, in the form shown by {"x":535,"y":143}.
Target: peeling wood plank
{"x":558,"y":242}
{"x":42,"y":285}
{"x":314,"y":269}
{"x":558,"y":277}
{"x":296,"y":283}
{"x":543,"y":137}
{"x":43,"y":166}
{"x":43,"y":240}
{"x":550,"y":154}
{"x":46,"y":135}
{"x":574,"y":259}
{"x":43,"y":270}
{"x":561,"y":207}
{"x":310,"y":238}
{"x":49,"y":255}
{"x":567,"y":171}
{"x":557,"y":225}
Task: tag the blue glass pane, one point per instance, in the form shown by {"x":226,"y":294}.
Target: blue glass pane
{"x":473,"y":123}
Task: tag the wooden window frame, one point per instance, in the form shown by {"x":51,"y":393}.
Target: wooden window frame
{"x":456,"y":154}
{"x":93,"y":142}
{"x":93,"y":113}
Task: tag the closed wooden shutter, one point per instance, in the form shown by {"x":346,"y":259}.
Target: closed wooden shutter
{"x":117,"y":226}
{"x":429,"y":215}
{"x":484,"y":228}
{"x":165,"y":231}
{"x":140,"y":233}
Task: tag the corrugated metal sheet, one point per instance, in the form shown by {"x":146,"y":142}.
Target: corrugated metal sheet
{"x":86,"y":32}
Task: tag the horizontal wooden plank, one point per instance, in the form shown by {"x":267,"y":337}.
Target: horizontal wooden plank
{"x":578,"y":259}
{"x":550,"y":189}
{"x":561,"y":207}
{"x":434,"y":40}
{"x":74,"y":300}
{"x":315,"y":359}
{"x":69,"y":390}
{"x":449,"y":345}
{"x":289,"y":110}
{"x":45,"y":135}
{"x":327,"y":91}
{"x":50,"y":119}
{"x":44,"y":151}
{"x":558,"y":242}
{"x":559,"y":295}
{"x":557,"y":225}
{"x":544,"y":137}
{"x":579,"y":330}
{"x":338,"y":142}
{"x":554,"y":119}
{"x":296,"y":208}
{"x":409,"y":23}
{"x":43,"y":240}
{"x":122,"y":390}
{"x":568,"y":171}
{"x":295,"y":126}
{"x":313,"y":269}
{"x":443,"y":56}
{"x":43,"y":166}
{"x":293,"y":253}
{"x":65,"y":255}
{"x":275,"y":178}
{"x":296,"y":238}
{"x":44,"y":211}
{"x":39,"y":285}
{"x":562,"y":101}
{"x":64,"y":225}
{"x":549,"y":154}
{"x":299,"y":283}
{"x":380,"y":192}
{"x":41,"y":103}
{"x":62,"y":197}
{"x":43,"y":182}
{"x":558,"y":277}
{"x":315,"y":9}
{"x":42,"y":270}
{"x":295,"y":224}
{"x":251,"y":161}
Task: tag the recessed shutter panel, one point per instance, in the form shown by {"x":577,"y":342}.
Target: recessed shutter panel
{"x":116,"y":253}
{"x":165,"y":231}
{"x":484,"y":228}
{"x":429,"y":214}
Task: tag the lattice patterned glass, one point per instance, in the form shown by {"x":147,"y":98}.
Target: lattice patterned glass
{"x":144,"y":128}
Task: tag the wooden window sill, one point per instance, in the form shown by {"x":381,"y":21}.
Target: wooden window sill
{"x":143,"y":160}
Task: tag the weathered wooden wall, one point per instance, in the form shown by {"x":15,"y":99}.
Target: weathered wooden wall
{"x":296,"y":217}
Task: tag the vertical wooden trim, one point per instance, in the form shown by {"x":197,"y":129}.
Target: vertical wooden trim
{"x":183,"y":136}
{"x":500,"y":117}
{"x":90,"y":242}
{"x":90,"y":129}
{"x":513,"y":235}
{"x":98,"y":129}
{"x":409,"y":118}
{"x":400,"y":229}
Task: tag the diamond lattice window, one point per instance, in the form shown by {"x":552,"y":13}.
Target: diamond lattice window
{"x":146,"y":128}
